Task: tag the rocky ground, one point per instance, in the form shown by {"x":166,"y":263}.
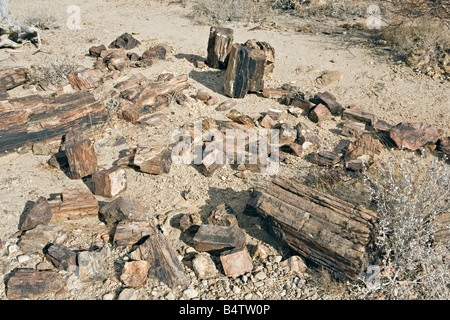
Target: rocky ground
{"x":371,"y":80}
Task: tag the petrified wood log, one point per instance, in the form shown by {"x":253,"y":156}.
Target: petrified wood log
{"x":326,"y":230}
{"x":74,"y":204}
{"x":245,"y":71}
{"x":31,"y":284}
{"x":268,"y":50}
{"x":329,"y":100}
{"x":110,"y":182}
{"x":216,"y":238}
{"x":219,"y":46}
{"x":86,"y":79}
{"x":319,"y":113}
{"x":413,"y":136}
{"x":41,"y":213}
{"x":81,"y":158}
{"x":12,"y":77}
{"x":34,"y":118}
{"x":164,"y":263}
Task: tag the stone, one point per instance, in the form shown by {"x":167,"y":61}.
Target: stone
{"x":95,"y":51}
{"x":260,"y":251}
{"x":74,"y":204}
{"x":204,"y":267}
{"x":93,"y":265}
{"x":222,"y":215}
{"x":190,"y":293}
{"x":61,"y":257}
{"x":32,"y":284}
{"x":190,"y":220}
{"x":109,"y":182}
{"x":328,"y":100}
{"x":152,"y":55}
{"x":82,"y":159}
{"x":294,"y":264}
{"x":353,"y":129}
{"x":128,"y":294}
{"x":413,"y":136}
{"x":267,"y":122}
{"x":214,"y":238}
{"x":40,"y":213}
{"x":125,"y":41}
{"x":202,"y":96}
{"x":36,"y":239}
{"x":226,"y":105}
{"x":236,"y":262}
{"x":329,"y":77}
{"x":130,"y":232}
{"x":122,"y":209}
{"x":134,"y":273}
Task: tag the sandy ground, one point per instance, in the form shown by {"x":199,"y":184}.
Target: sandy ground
{"x":371,"y":81}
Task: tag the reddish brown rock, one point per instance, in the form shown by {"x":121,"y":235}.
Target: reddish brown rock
{"x":134,"y":273}
{"x":41,"y":213}
{"x":236,"y":262}
{"x":62,"y":257}
{"x":328,"y":100}
{"x":86,"y":79}
{"x":353,"y":129}
{"x":125,"y":41}
{"x":319,"y":113}
{"x":214,"y":238}
{"x":82,"y":159}
{"x":74,"y":204}
{"x":129,"y":232}
{"x":267,"y":122}
{"x":413,"y":136}
{"x":222,"y":215}
{"x":355,"y":114}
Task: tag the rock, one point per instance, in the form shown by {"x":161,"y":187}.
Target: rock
{"x":222,"y":215}
{"x":328,"y":100}
{"x":134,"y":273}
{"x":128,"y":294}
{"x":93,"y":265}
{"x":244,"y":174}
{"x":319,"y":113}
{"x":267,"y":122}
{"x":292,"y":148}
{"x":443,"y":146}
{"x":74,"y":204}
{"x":96,"y":51}
{"x":122,"y":209}
{"x":353,"y":129}
{"x":129,"y":232}
{"x":191,"y":220}
{"x":329,"y":77}
{"x":204,"y":267}
{"x":275,"y":114}
{"x":109,"y":182}
{"x":294,"y":264}
{"x":23,"y":258}
{"x":61,"y":257}
{"x":260,"y":251}
{"x":36,"y":239}
{"x":287,"y":134}
{"x":190,"y":293}
{"x":32,"y":284}
{"x":202,"y":96}
{"x":363,"y":145}
{"x":152,"y":55}
{"x":126,"y":41}
{"x":85,"y":80}
{"x":40,"y":213}
{"x":226,"y":105}
{"x":236,"y":262}
{"x":82,"y":159}
{"x":213,"y":238}
{"x":355,"y":114}
{"x":413,"y":136}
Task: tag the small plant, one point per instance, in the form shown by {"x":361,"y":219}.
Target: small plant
{"x":53,"y":70}
{"x":411,"y":194}
{"x":43,"y":18}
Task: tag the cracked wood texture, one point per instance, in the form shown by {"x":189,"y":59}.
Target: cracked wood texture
{"x":219,"y":46}
{"x":245,"y":71}
{"x":326,"y":230}
{"x":12,"y":77}
{"x":26,"y":120}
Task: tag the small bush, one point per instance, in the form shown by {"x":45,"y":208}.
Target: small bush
{"x":410,"y":193}
{"x":43,"y":19}
{"x":53,"y":70}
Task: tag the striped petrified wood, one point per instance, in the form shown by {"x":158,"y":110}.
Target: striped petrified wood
{"x":326,"y":230}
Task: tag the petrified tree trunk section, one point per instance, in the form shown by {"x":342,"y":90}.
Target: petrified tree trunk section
{"x":328,"y":231}
{"x":245,"y":71}
{"x":219,"y":46}
{"x":35,"y":118}
{"x":12,"y":77}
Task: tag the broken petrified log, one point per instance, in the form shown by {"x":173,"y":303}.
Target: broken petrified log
{"x":74,"y":204}
{"x":86,"y":79}
{"x":110,"y":182}
{"x":129,"y":232}
{"x":26,"y":120}
{"x":328,"y":100}
{"x":153,"y":158}
{"x":81,"y":158}
{"x":36,"y":239}
{"x":355,"y":114}
{"x":413,"y":136}
{"x":219,"y":46}
{"x":163,"y":260}
{"x":353,"y":129}
{"x":269,"y":53}
{"x":134,"y":273}
{"x":216,"y":238}
{"x":40,"y":213}
{"x":236,"y":262}
{"x":319,"y":113}
{"x":32,"y":284}
{"x":324,"y":229}
{"x":365,"y":145}
{"x":122,"y":209}
{"x":61,"y":257}
{"x":125,"y":41}
{"x":12,"y":77}
{"x":245,"y":71}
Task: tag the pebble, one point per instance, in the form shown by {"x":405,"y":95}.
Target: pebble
{"x":23,"y":258}
{"x":108,"y":296}
{"x":128,"y":294}
{"x":190,"y":293}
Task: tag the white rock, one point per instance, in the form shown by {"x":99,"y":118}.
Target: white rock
{"x":23,"y":258}
{"x":128,"y":294}
{"x":190,"y":293}
{"x":108,"y":296}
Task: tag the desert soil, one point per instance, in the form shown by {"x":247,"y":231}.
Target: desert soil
{"x":371,"y":80}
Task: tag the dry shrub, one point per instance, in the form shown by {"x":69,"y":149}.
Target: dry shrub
{"x":410,"y":192}
{"x":43,"y":18}
{"x":216,"y":12}
{"x":53,"y":70}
